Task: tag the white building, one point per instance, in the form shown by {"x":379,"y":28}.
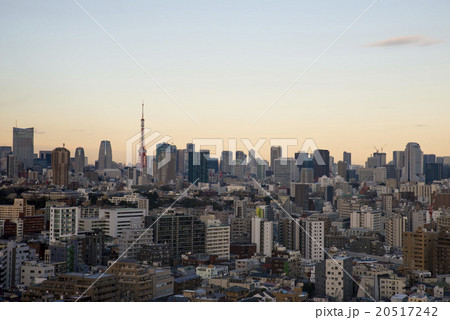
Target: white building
{"x":63,"y":223}
{"x":313,"y":239}
{"x":12,"y":255}
{"x":33,"y":272}
{"x":366,"y":218}
{"x":116,"y":220}
{"x":211,"y":271}
{"x":262,"y":235}
{"x":217,"y":240}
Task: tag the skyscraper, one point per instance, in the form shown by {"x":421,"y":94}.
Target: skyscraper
{"x":198,"y":166}
{"x":166,"y":163}
{"x":105,"y":155}
{"x":225,"y":161}
{"x":399,"y":159}
{"x":275,"y":153}
{"x":347,"y":158}
{"x":79,"y":160}
{"x":413,"y":163}
{"x":321,"y":169}
{"x":60,"y":166}
{"x":23,"y":146}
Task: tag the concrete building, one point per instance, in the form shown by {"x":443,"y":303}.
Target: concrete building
{"x":23,"y":146}
{"x":63,"y":223}
{"x":131,"y":241}
{"x":333,"y":278}
{"x":217,"y":239}
{"x":33,"y":272}
{"x":105,"y":155}
{"x":117,"y":220}
{"x":262,"y":235}
{"x":19,"y":209}
{"x":79,"y":162}
{"x":366,"y":218}
{"x":395,"y":226}
{"x":61,"y":166}
{"x":312,"y":238}
{"x":96,"y":287}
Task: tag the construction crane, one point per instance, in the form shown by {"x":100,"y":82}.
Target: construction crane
{"x":380,"y":149}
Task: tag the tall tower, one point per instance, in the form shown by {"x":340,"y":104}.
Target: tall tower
{"x":142,"y":151}
{"x":61,"y":166}
{"x":105,"y":155}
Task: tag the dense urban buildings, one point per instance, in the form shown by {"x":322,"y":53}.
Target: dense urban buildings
{"x":233,"y":228}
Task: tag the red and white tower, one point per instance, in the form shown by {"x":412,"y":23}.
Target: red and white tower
{"x":142,"y":151}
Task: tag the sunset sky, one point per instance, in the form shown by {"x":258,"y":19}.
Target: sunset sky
{"x":385,"y":82}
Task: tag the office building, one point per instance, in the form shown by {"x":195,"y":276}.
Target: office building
{"x":60,"y":166}
{"x":105,"y":155}
{"x":413,"y":171}
{"x":166,"y":160}
{"x":275,"y":153}
{"x":79,"y":162}
{"x":347,"y":158}
{"x":23,"y":146}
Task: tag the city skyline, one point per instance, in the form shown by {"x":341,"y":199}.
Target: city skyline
{"x":385,"y":80}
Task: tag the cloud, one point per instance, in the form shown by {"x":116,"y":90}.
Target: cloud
{"x":39,"y":132}
{"x":421,"y":125}
{"x":78,"y":130}
{"x":415,"y":41}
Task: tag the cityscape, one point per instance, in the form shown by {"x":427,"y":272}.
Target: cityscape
{"x":235,"y":228}
{"x":238,"y":151}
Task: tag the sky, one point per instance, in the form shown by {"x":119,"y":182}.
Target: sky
{"x":384,"y":83}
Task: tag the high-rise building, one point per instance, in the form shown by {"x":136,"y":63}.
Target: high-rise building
{"x":79,"y":162}
{"x":312,"y":238}
{"x":395,"y":226}
{"x":217,"y":239}
{"x":342,"y":169}
{"x":225,"y":161}
{"x":132,"y":240}
{"x":166,"y":157}
{"x":301,"y":194}
{"x":306,"y":170}
{"x":276,"y":152}
{"x":198,"y":166}
{"x":321,"y":168}
{"x":63,"y":223}
{"x":181,"y":154}
{"x":23,"y":146}
{"x":262,"y":235}
{"x":366,"y":218}
{"x":413,"y":163}
{"x":433,"y":172}
{"x":184,"y":233}
{"x":418,"y":249}
{"x":60,"y":166}
{"x":289,"y":233}
{"x":347,"y":158}
{"x":105,"y":155}
{"x":333,"y":278}
{"x":12,"y":167}
{"x":399,"y":159}
{"x":285,"y":171}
